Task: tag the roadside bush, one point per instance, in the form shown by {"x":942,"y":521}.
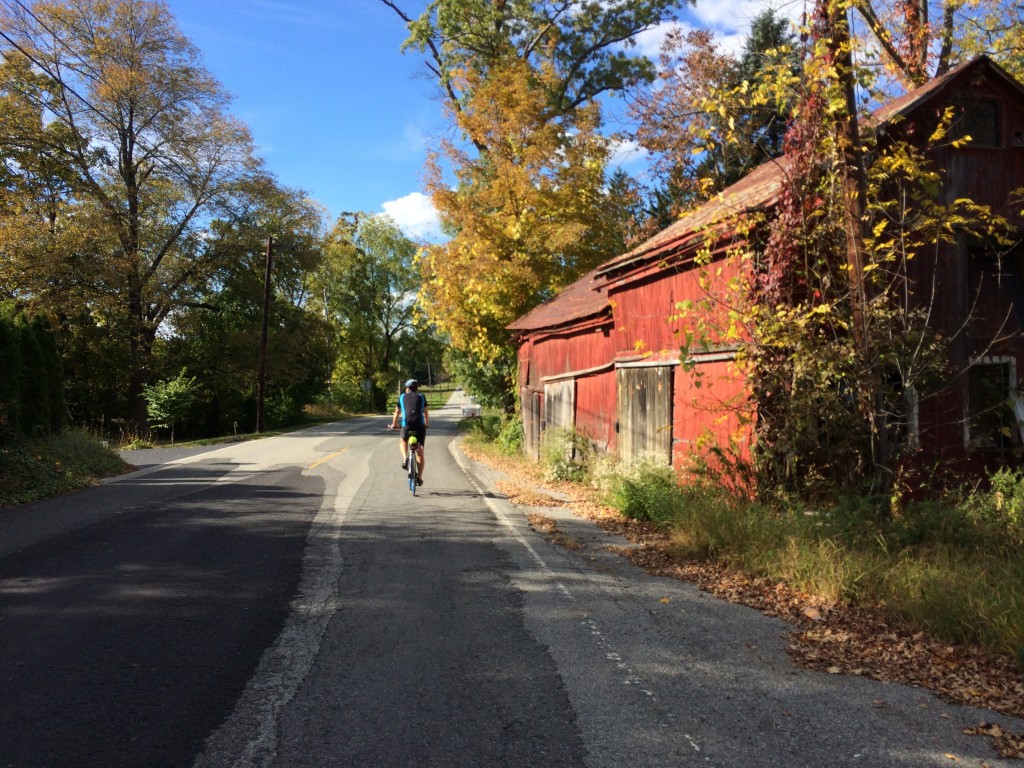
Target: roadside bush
{"x":647,"y":491}
{"x":42,"y":467}
{"x":1000,"y":509}
{"x":486,"y":428}
{"x":510,"y":439}
{"x":565,"y":455}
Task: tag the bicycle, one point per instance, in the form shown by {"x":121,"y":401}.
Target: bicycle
{"x":414,"y":466}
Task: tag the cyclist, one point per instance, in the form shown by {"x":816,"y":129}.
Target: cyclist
{"x":412,"y":408}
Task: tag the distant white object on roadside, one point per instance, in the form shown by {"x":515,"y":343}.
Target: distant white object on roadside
{"x":471,"y":411}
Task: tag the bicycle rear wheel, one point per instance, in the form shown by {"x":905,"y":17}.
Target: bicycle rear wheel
{"x":413,"y":471}
{"x":413,"y":466}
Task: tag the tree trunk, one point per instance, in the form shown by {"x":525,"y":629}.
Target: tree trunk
{"x":854,"y":209}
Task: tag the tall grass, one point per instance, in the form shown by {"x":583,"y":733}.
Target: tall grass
{"x":954,"y":567}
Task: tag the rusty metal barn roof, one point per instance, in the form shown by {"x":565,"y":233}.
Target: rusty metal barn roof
{"x":581,"y":300}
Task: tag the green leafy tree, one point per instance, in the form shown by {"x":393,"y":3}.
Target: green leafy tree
{"x":217,"y":334}
{"x":171,"y":402}
{"x":13,"y":372}
{"x":32,"y":384}
{"x":366,"y":289}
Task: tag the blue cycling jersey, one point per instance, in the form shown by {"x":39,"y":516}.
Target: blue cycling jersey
{"x":413,"y":405}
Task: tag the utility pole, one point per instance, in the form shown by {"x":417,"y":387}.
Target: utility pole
{"x":261,"y":424}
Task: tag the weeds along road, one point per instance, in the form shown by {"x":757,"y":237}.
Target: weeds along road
{"x":286,"y":602}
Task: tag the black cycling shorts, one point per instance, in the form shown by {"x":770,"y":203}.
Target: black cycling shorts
{"x":420,"y":432}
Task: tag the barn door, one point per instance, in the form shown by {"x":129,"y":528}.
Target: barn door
{"x":560,"y":404}
{"x":532,"y":404}
{"x":643,"y":412}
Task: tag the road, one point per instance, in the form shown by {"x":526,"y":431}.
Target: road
{"x":286,"y":602}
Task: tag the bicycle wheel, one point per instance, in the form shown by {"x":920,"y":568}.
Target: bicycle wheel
{"x":413,"y":466}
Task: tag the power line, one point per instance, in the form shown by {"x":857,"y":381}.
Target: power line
{"x":46,"y":69}
{"x":92,"y":75}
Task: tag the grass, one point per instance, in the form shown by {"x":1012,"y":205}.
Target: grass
{"x":954,"y":567}
{"x":437,"y":396}
{"x":42,"y":467}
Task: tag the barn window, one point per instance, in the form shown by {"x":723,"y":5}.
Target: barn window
{"x":994,"y":406}
{"x":981,"y":119}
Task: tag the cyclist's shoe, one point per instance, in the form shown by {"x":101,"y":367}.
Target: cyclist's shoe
{"x":405,"y":464}
{"x":419,"y":480}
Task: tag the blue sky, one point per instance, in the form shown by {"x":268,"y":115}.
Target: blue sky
{"x":333,"y":105}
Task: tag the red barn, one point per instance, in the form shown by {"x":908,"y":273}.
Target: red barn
{"x":603,"y":356}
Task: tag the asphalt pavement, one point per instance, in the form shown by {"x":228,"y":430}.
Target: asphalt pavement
{"x":288,"y":603}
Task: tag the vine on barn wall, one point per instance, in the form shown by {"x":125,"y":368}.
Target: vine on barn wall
{"x":836,"y":356}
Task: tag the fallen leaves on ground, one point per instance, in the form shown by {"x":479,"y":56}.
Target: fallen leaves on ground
{"x":526,"y":497}
{"x":1007,"y":744}
{"x":548,"y":527}
{"x":832,"y":638}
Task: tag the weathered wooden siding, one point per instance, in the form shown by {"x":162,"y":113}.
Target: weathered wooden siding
{"x":560,"y":404}
{"x":595,"y":408}
{"x":710,"y":403}
{"x":532,"y":407}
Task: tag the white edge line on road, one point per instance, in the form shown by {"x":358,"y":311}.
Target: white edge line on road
{"x":591,"y":626}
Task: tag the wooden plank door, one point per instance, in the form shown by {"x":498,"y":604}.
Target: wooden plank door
{"x":644,"y":412}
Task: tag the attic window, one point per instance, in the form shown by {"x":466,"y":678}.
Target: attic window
{"x":981,"y":119}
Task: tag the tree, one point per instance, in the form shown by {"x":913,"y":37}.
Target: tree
{"x":170,"y":402}
{"x":585,"y":43}
{"x":921,"y":39}
{"x":32,"y":384}
{"x":217,"y":334}
{"x":366,"y":289}
{"x":691,"y":157}
{"x":528,"y":217}
{"x":529,"y":210}
{"x":137,"y":132}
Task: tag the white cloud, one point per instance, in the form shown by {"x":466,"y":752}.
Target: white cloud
{"x":729,"y":20}
{"x":648,"y":42}
{"x":415,"y":216}
{"x":626,"y":152}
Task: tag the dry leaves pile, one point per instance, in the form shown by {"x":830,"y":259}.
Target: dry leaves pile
{"x":837,"y":639}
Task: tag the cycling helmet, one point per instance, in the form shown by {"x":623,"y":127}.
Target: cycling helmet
{"x":412,"y":384}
